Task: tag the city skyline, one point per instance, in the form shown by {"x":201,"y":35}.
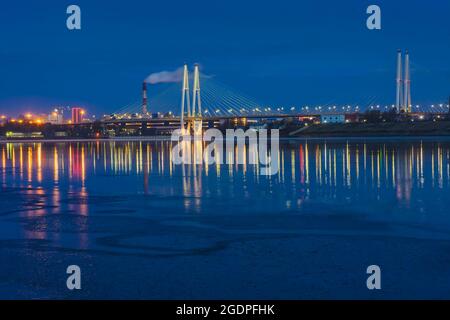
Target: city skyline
{"x":291,"y":55}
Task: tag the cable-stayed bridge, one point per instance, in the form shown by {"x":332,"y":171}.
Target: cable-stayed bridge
{"x":204,"y":97}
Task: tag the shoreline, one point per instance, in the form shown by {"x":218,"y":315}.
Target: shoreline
{"x":284,"y":138}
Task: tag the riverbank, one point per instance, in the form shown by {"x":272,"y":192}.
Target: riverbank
{"x":385,"y":129}
{"x":293,"y":131}
{"x":128,"y":138}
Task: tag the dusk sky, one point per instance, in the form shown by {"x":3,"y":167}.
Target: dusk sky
{"x":278,"y":52}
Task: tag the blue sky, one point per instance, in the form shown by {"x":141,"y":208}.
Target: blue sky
{"x":278,"y":52}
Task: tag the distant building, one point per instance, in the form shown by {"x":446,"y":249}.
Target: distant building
{"x":309,"y":119}
{"x":56,"y":117}
{"x":332,"y":118}
{"x":352,"y":117}
{"x":77,"y":115}
{"x":157,"y":115}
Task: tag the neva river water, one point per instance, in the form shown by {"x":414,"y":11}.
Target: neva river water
{"x":141,"y":227}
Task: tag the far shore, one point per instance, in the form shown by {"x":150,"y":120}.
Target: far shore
{"x":383,"y":130}
{"x":298,"y":138}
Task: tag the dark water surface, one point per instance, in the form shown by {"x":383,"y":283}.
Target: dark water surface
{"x":142,"y":227}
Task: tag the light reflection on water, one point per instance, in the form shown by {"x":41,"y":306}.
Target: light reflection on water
{"x":123,"y":208}
{"x":368,"y":175}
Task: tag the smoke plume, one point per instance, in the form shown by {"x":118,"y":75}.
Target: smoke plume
{"x":165,"y":76}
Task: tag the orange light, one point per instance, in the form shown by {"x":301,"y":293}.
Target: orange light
{"x":3,"y":117}
{"x":20,"y":121}
{"x":38,"y":121}
{"x":82,"y":112}
{"x":28,"y":115}
{"x":13,"y":120}
{"x":69,"y":122}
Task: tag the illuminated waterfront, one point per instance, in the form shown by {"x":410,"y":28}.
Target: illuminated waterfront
{"x":123,"y":210}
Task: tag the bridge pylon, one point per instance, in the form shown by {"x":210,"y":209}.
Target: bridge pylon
{"x":407,"y":84}
{"x":399,"y":81}
{"x":185,"y":103}
{"x":197,"y":105}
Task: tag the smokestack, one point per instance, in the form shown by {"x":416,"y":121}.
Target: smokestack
{"x":407,"y":95}
{"x":398,"y":101}
{"x":144,"y":98}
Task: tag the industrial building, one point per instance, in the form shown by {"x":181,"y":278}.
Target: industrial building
{"x":77,"y":115}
